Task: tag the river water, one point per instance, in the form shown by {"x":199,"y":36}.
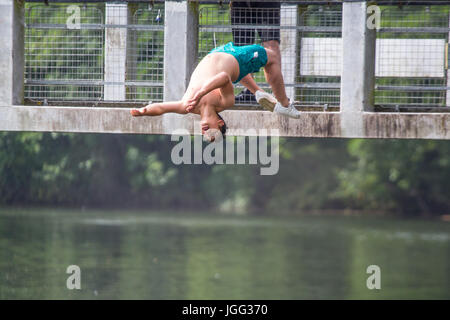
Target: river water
{"x":151,"y":255}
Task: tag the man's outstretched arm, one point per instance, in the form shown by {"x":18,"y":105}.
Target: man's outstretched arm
{"x":157,"y":109}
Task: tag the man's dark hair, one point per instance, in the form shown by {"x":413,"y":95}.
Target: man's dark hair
{"x":223,"y":129}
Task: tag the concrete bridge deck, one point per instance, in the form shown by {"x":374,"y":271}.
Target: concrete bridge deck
{"x":311,"y":124}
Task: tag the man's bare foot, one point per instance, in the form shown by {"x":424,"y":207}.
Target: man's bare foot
{"x":137,"y":112}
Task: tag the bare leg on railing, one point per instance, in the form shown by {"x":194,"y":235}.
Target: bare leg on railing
{"x":274,"y":77}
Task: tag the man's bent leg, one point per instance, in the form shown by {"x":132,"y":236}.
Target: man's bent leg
{"x":275,"y":79}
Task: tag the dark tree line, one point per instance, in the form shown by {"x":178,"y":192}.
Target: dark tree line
{"x":128,"y":171}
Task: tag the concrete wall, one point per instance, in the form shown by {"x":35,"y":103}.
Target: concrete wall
{"x":310,"y":124}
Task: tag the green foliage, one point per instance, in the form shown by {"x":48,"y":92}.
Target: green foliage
{"x":398,"y":176}
{"x":401,"y":176}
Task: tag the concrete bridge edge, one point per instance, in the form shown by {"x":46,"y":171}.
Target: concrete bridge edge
{"x":240,"y":122}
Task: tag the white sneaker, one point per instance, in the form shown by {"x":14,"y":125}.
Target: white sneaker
{"x":289,"y":111}
{"x":266,"y":100}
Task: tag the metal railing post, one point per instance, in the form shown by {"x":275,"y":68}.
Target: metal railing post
{"x":12,"y":20}
{"x":288,"y":45}
{"x":358,"y":68}
{"x":115,"y":51}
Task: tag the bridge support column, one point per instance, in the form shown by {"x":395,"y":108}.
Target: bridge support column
{"x":180,"y":47}
{"x":358,"y":68}
{"x":12,"y":52}
{"x":180,"y":55}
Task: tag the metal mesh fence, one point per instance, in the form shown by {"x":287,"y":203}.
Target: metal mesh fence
{"x":320,"y":56}
{"x":412,"y":57}
{"x":310,"y":45}
{"x":145,"y":56}
{"x":76,"y":59}
{"x":63,"y":60}
{"x":78,"y":52}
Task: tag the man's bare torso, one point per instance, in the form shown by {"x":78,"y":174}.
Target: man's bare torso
{"x":210,"y":66}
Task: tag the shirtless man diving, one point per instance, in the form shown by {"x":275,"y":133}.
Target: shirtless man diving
{"x":211,"y":91}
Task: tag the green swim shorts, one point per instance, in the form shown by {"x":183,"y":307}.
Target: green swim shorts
{"x":250,"y":58}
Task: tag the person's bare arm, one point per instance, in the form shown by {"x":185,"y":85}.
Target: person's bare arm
{"x":220,"y":80}
{"x":227,"y":89}
{"x":157,"y":109}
